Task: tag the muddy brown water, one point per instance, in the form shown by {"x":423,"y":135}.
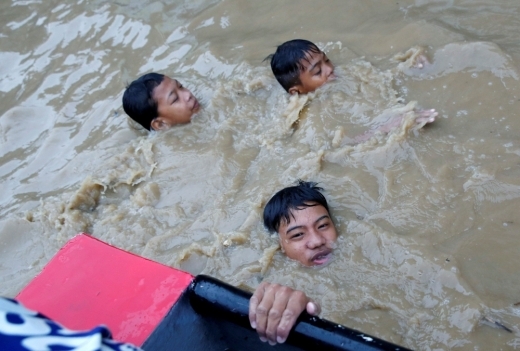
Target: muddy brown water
{"x":428,"y":219}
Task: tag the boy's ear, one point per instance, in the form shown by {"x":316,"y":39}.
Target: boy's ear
{"x":294,"y":90}
{"x":281,"y":245}
{"x":158,"y":123}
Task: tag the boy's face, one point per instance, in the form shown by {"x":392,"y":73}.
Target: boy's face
{"x":317,"y":71}
{"x":309,"y":237}
{"x":175,"y":104}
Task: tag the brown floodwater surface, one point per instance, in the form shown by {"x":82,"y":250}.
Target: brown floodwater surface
{"x":428,"y":252}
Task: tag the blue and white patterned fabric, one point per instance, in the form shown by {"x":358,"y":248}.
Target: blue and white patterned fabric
{"x":22,"y":329}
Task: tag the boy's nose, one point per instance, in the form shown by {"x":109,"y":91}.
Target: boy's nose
{"x":315,"y":240}
{"x":330,"y":70}
{"x":186,"y":95}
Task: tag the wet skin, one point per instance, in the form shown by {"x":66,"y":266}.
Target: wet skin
{"x":175,"y":104}
{"x":318,"y":70}
{"x":309,"y":237}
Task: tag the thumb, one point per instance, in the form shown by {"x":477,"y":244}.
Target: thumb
{"x":313,"y":308}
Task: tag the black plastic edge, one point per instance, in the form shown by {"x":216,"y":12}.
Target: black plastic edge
{"x":211,"y":297}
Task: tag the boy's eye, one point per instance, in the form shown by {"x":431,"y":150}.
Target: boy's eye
{"x":297,"y":236}
{"x":322,"y":226}
{"x":175,"y":100}
{"x":318,"y":72}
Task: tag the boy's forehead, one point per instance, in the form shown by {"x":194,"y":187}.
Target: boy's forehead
{"x":165,"y":88}
{"x":311,"y":58}
{"x":309,"y":54}
{"x":294,"y":212}
{"x":167,"y":81}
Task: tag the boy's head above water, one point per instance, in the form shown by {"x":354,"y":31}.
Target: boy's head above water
{"x":300,"y":216}
{"x":300,"y":66}
{"x":158,"y":102}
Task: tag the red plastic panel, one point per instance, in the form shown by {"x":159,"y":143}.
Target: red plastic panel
{"x":89,"y":282}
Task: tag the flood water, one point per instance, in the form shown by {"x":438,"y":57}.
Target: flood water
{"x":429,"y":235}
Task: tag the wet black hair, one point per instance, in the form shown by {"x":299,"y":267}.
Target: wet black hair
{"x":138,"y":101}
{"x":286,"y":62}
{"x":298,"y":197}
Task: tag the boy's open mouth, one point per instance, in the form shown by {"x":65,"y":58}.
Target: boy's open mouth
{"x":322,"y":257}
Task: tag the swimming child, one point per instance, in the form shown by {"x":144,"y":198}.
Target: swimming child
{"x":158,"y":102}
{"x":300,"y":216}
{"x":300,"y":66}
